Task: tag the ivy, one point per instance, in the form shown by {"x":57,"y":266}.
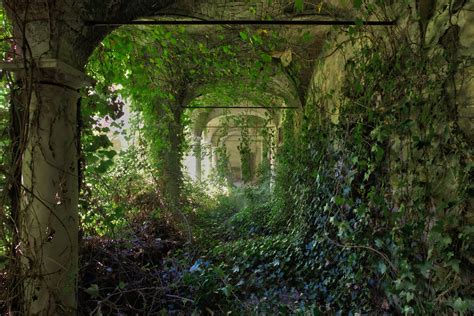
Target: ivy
{"x":366,"y":209}
{"x":164,"y":70}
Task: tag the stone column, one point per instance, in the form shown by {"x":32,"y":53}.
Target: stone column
{"x":198,"y":156}
{"x":207,"y":162}
{"x":48,"y":219}
{"x":271,"y":156}
{"x":214,"y":157}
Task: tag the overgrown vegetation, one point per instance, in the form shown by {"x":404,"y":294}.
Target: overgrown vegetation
{"x":367,"y":208}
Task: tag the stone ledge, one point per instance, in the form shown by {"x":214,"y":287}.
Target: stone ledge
{"x":53,"y":70}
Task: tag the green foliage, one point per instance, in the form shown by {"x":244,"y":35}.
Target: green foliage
{"x":370,"y":214}
{"x":377,"y":183}
{"x":299,"y":5}
{"x":111,"y":198}
{"x":244,"y":149}
{"x":222,"y":171}
{"x":164,"y":70}
{"x":5,"y":159}
{"x":4,"y":130}
{"x":407,"y":110}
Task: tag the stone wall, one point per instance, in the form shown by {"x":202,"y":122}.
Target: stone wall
{"x":425,"y":166}
{"x":328,"y":75}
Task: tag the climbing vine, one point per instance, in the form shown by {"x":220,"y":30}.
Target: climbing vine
{"x":366,"y":207}
{"x":372,"y":186}
{"x":164,"y":71}
{"x":365,"y":186}
{"x":244,"y":149}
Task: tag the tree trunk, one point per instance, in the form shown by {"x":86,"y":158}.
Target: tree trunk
{"x":172,"y":165}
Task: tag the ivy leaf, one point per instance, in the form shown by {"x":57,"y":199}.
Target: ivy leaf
{"x":379,"y":152}
{"x":266,"y":58}
{"x":227,"y":290}
{"x":339,"y":200}
{"x":93,"y":290}
{"x":425,"y":269}
{"x":299,"y":5}
{"x":308,"y":37}
{"x":381,"y":267}
{"x":357,"y":4}
{"x":461,"y":305}
{"x":454,"y":263}
{"x":378,"y":243}
{"x":110,"y":154}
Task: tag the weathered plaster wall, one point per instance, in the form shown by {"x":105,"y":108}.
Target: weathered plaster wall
{"x":329,"y":71}
{"x":455,"y":34}
{"x":437,"y":166}
{"x":328,"y":78}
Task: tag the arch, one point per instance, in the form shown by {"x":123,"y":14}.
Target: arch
{"x":217,"y":129}
{"x":60,"y":42}
{"x":213,"y":134}
{"x":201,"y":117}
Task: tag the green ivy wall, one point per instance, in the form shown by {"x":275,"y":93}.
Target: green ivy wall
{"x":382,"y":164}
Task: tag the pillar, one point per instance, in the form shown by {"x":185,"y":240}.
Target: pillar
{"x":272,"y":154}
{"x":48,"y":219}
{"x":207,"y":161}
{"x":198,"y":157}
{"x":214,"y":157}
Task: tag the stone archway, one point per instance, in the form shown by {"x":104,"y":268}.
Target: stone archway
{"x":53,"y":42}
{"x":219,"y":129}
